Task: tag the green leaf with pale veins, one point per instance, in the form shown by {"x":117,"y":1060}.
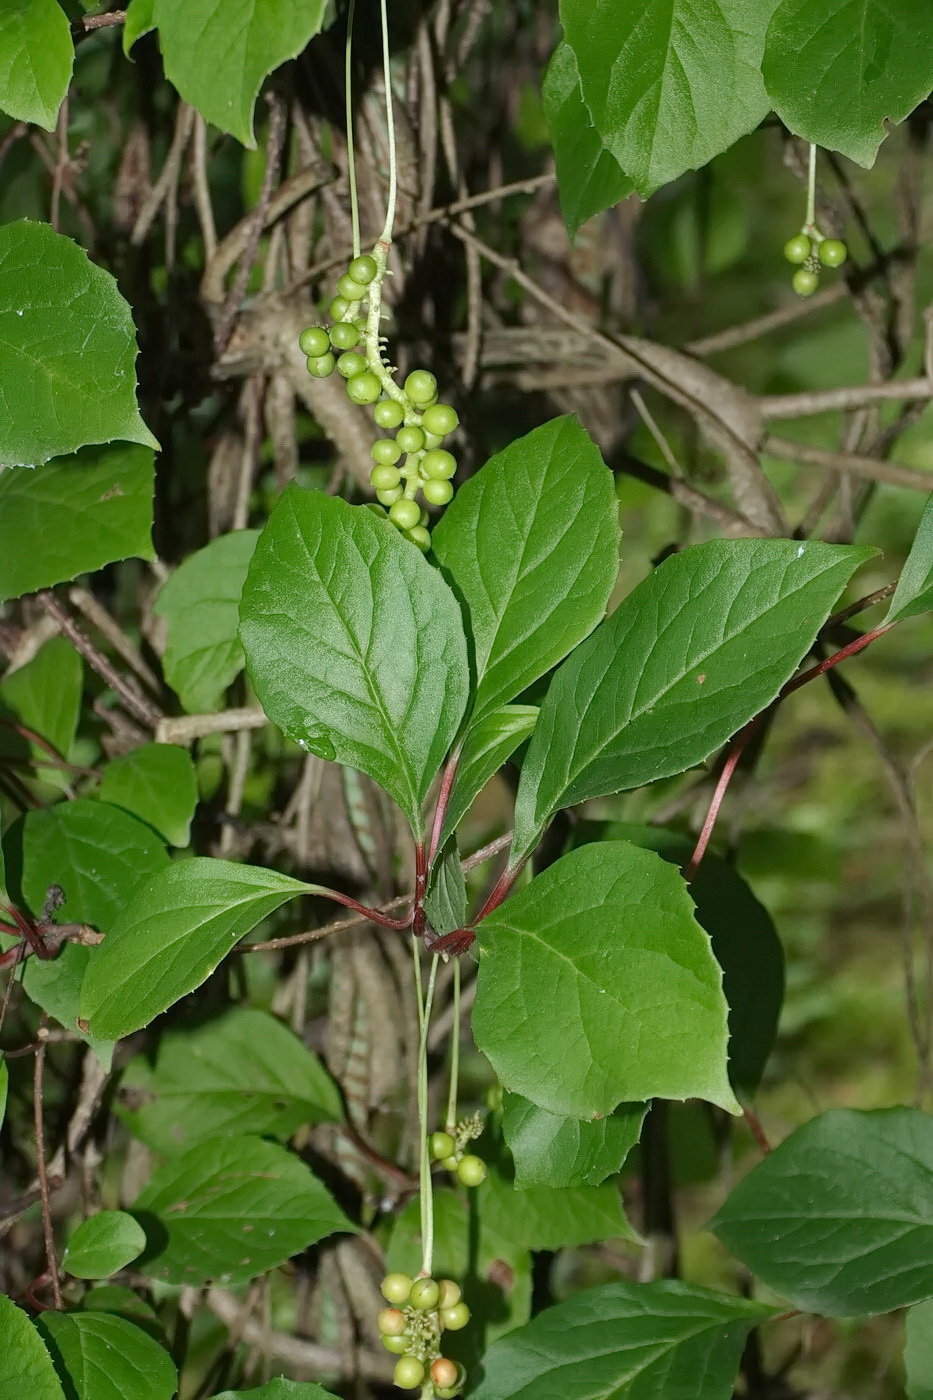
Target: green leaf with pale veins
{"x":530,"y":544}
{"x":218,"y":52}
{"x":695,"y":651}
{"x":158,"y":784}
{"x":55,"y":986}
{"x":839,"y":72}
{"x":45,"y":696}
{"x":26,"y":1368}
{"x":355,"y":644}
{"x":103,"y":1244}
{"x":625,"y":1341}
{"x":487,"y":745}
{"x":549,"y":1150}
{"x":229,"y":1209}
{"x":103,"y":1357}
{"x":171,"y":935}
{"x":914,"y":592}
{"x":446,"y":900}
{"x":596,"y":986}
{"x":669,"y":83}
{"x":589,"y":178}
{"x":67,"y":350}
{"x":548,"y":1217}
{"x":36,"y":59}
{"x":918,"y":1353}
{"x":851,"y":1193}
{"x":200,"y":603}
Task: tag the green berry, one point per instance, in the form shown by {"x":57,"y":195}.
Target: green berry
{"x":409,"y":1373}
{"x":376,"y":510}
{"x":364,"y":388}
{"x":385,"y":478}
{"x":456,"y":1317}
{"x":391,"y":1322}
{"x":440,"y":419}
{"x":388,"y":495}
{"x":314,"y":342}
{"x":350,"y":289}
{"x":339,"y":308}
{"x":385,"y":451}
{"x":405,"y":514}
{"x":832,"y":252}
{"x":397,"y":1345}
{"x":444,"y":1372}
{"x":447,"y":1392}
{"x":424,"y":1294}
{"x":442,"y":1145}
{"x":420,"y":386}
{"x":472,"y":1170}
{"x":395,"y":1288}
{"x":451,"y":1163}
{"x":344,"y":335}
{"x":439,"y":464}
{"x":432,"y":440}
{"x":320,"y":366}
{"x":388,"y":414}
{"x":350,"y":364}
{"x":437,"y":493}
{"x":363,"y":269}
{"x":798,"y":248}
{"x":450,"y":1293}
{"x":805,"y":282}
{"x":410,"y":439}
{"x":419,"y":536}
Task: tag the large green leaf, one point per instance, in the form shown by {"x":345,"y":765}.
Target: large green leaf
{"x":36,"y":59}
{"x":531,"y":546}
{"x":102,"y":1357}
{"x":851,"y":1193}
{"x":914,"y":592}
{"x":838,"y":71}
{"x":200,"y":603}
{"x":487,"y":745}
{"x":217,"y":52}
{"x":279,"y":1390}
{"x":45,"y":696}
{"x":445,"y":904}
{"x":103,"y":1244}
{"x":158,"y":784}
{"x":625,"y":1341}
{"x":692,"y":654}
{"x":597,"y":986}
{"x":242,"y":1072}
{"x":589,"y":177}
{"x":74,"y":516}
{"x":26,"y":1368}
{"x":67,"y":350}
{"x":918,"y":1353}
{"x":549,"y":1150}
{"x":354,"y":643}
{"x":56,"y":985}
{"x":140,"y":20}
{"x":171,"y":935}
{"x":669,"y":83}
{"x":231,"y":1208}
{"x":548,"y":1217}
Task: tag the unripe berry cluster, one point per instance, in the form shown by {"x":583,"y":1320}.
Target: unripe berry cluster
{"x":413,"y":459}
{"x":411,"y":1328}
{"x":448,"y":1149}
{"x":810,"y":250}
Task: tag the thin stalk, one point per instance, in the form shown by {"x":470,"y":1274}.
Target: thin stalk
{"x":351,"y":150}
{"x":810,"y":220}
{"x":374,"y":916}
{"x":390,"y":122}
{"x":426,"y":1194}
{"x":443,"y":801}
{"x":450,"y":1122}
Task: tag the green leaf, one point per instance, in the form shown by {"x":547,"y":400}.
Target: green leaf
{"x":103,"y":1245}
{"x":102,"y":1357}
{"x":158,"y":784}
{"x":231,"y":1208}
{"x":552,"y":1151}
{"x":354,"y":643}
{"x":36,"y":59}
{"x":123,"y":1302}
{"x":4,"y":1088}
{"x":44,"y":695}
{"x":918,"y":1353}
{"x":531,"y":544}
{"x":446,"y":901}
{"x":693,"y":653}
{"x":67,"y":350}
{"x":56,"y":985}
{"x":851,"y":1193}
{"x":200,"y":603}
{"x":625,"y":1341}
{"x":175,"y":930}
{"x":669,"y":83}
{"x":279,"y":1390}
{"x":26,"y":1368}
{"x":217,"y":59}
{"x":596,"y":986}
{"x":488,"y":744}
{"x":914,"y":592}
{"x":547,"y":1217}
{"x":838,"y":72}
{"x":74,"y":516}
{"x":242,"y":1072}
{"x":589,"y":178}
{"x":140,"y":20}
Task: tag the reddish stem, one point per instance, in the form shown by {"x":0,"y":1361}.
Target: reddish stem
{"x":500,"y":890}
{"x":421,"y":884}
{"x":374,"y":916}
{"x":443,"y":801}
{"x":753,"y":1123}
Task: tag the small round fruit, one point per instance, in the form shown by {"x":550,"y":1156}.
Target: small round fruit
{"x":350,"y":289}
{"x":409,"y":1373}
{"x":420,"y":386}
{"x":437,"y":493}
{"x":320,"y":366}
{"x":314,"y":342}
{"x":432,"y":440}
{"x":405,"y":513}
{"x":419,"y":536}
{"x":450,"y":1293}
{"x":805,"y":282}
{"x":376,"y":510}
{"x":385,"y":478}
{"x":397,"y":1345}
{"x":388,"y":414}
{"x":410,"y":439}
{"x":350,"y":364}
{"x":339,"y":308}
{"x":388,"y":495}
{"x":797,"y":249}
{"x":455,"y":1318}
{"x":424,"y":1294}
{"x":444,"y":1372}
{"x":832,"y":252}
{"x":363,"y":269}
{"x":440,"y":419}
{"x":385,"y":451}
{"x":391,"y":1322}
{"x":439,"y":464}
{"x":344,"y":335}
{"x":364,"y":388}
{"x":447,"y":1392}
{"x":442,"y":1145}
{"x":472,"y":1170}
{"x":395,"y":1288}
{"x":451,"y":1163}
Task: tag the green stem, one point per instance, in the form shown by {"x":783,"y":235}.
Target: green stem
{"x":426,"y":1193}
{"x":351,"y":152}
{"x":810,"y":222}
{"x":390,"y":122}
{"x":450,"y":1121}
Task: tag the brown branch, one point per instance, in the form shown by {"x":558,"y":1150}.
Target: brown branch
{"x":741,"y":334}
{"x":184,"y":729}
{"x":80,"y":28}
{"x":184,"y":120}
{"x":144,"y":710}
{"x":42,"y":1173}
{"x":108,"y":626}
{"x":867,"y":468}
{"x":834,"y":400}
{"x":730,"y":521}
